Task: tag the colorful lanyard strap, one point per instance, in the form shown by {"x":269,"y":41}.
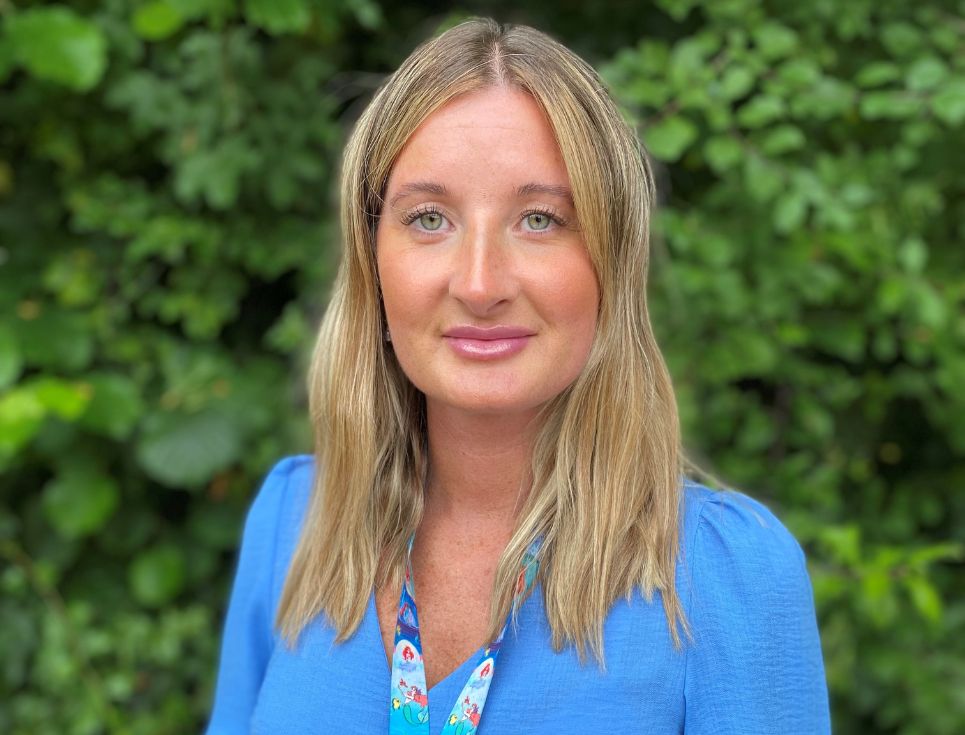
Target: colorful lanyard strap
{"x":409,"y":698}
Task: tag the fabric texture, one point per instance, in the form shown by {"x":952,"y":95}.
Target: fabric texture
{"x":754,"y":665}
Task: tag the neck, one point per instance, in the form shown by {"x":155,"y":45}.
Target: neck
{"x":479,"y":467}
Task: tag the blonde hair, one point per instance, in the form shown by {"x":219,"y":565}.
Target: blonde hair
{"x":607,"y":464}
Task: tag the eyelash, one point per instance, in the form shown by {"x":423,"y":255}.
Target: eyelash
{"x":554,"y":216}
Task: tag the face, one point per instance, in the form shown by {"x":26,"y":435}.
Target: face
{"x":489,"y":292}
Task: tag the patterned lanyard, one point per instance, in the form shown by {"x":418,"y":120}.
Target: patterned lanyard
{"x":408,"y":697}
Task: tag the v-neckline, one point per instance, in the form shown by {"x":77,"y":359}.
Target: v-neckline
{"x":462,"y":670}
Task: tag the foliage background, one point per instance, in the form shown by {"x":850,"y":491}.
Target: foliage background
{"x":167,"y":175}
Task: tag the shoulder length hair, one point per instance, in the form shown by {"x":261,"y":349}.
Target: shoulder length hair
{"x":606,"y":482}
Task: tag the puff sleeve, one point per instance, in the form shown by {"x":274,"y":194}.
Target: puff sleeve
{"x":755,"y":665}
{"x":247,"y":638}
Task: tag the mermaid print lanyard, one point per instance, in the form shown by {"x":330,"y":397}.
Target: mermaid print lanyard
{"x":409,"y":698}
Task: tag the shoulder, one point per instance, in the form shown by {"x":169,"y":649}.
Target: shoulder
{"x":749,"y":604}
{"x":283,"y":493}
{"x":737,"y":521}
{"x":275,"y":517}
{"x":735,"y":549}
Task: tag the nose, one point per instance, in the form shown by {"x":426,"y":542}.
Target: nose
{"x":482,"y":275}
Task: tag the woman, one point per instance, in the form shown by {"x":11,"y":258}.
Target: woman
{"x":497,"y":488}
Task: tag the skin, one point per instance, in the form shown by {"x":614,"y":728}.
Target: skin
{"x":477,"y":254}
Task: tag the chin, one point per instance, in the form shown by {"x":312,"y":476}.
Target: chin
{"x":488,"y":403}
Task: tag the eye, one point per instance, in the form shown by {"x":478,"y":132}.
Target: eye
{"x":430,"y":219}
{"x":541,"y":220}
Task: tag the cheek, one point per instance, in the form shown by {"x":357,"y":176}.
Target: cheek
{"x":399,"y":288}
{"x":575,"y":295}
{"x":586,"y":308}
{"x":410,"y":296}
{"x":582,"y":306}
{"x":406,"y":299}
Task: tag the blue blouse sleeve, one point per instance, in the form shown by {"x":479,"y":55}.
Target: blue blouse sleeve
{"x":755,"y":665}
{"x":247,"y":638}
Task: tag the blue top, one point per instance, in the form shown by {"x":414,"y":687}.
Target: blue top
{"x":755,"y":664}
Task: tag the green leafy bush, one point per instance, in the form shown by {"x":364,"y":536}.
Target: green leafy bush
{"x":167,"y":177}
{"x":808,"y":288}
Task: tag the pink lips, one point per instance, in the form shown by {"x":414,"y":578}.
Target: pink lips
{"x":487,"y":343}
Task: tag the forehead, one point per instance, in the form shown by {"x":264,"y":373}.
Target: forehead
{"x":495,"y":138}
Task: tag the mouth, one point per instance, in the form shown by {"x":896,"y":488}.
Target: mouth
{"x":488,"y":343}
{"x":488,"y":334}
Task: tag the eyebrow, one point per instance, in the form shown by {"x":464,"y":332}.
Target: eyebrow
{"x":430,"y":187}
{"x":563,"y":192}
{"x":426,"y":187}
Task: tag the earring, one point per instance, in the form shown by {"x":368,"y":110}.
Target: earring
{"x":388,"y":337}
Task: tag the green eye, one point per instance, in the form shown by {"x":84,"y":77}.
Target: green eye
{"x":538,"y":221}
{"x":431,"y":221}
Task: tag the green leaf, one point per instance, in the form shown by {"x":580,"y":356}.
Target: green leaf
{"x":761,"y":110}
{"x":290,"y":331}
{"x":723,"y":152}
{"x":57,"y":45}
{"x":7,"y":59}
{"x":21,"y":416}
{"x":901,"y":38}
{"x":840,"y":337}
{"x":844,"y":543}
{"x":157,"y":20}
{"x":677,"y":9}
{"x":814,"y":417}
{"x":742,"y":354}
{"x":925,"y":597}
{"x":893,"y":105}
{"x":913,"y":254}
{"x":799,"y":73}
{"x":919,"y":132}
{"x":828,"y":99}
{"x":947,"y":551}
{"x":763,"y":180}
{"x":687,"y":63}
{"x":368,"y":14}
{"x":789,"y":211}
{"x":11,"y":362}
{"x":216,"y":173}
{"x":892,"y":294}
{"x":775,"y":40}
{"x":782,"y":139}
{"x":757,"y":433}
{"x":115,"y":405}
{"x":670,"y":137}
{"x":157,"y":575}
{"x":737,"y":81}
{"x":884,"y":346}
{"x":130,"y":531}
{"x":74,"y":277}
{"x":948,"y":103}
{"x":278,"y":16}
{"x":215,"y":526}
{"x":216,"y":11}
{"x":929,"y":307}
{"x":79,"y":501}
{"x":186,"y":450}
{"x":877,"y":73}
{"x":926,"y":73}
{"x":64,"y":398}
{"x":55,"y":339}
